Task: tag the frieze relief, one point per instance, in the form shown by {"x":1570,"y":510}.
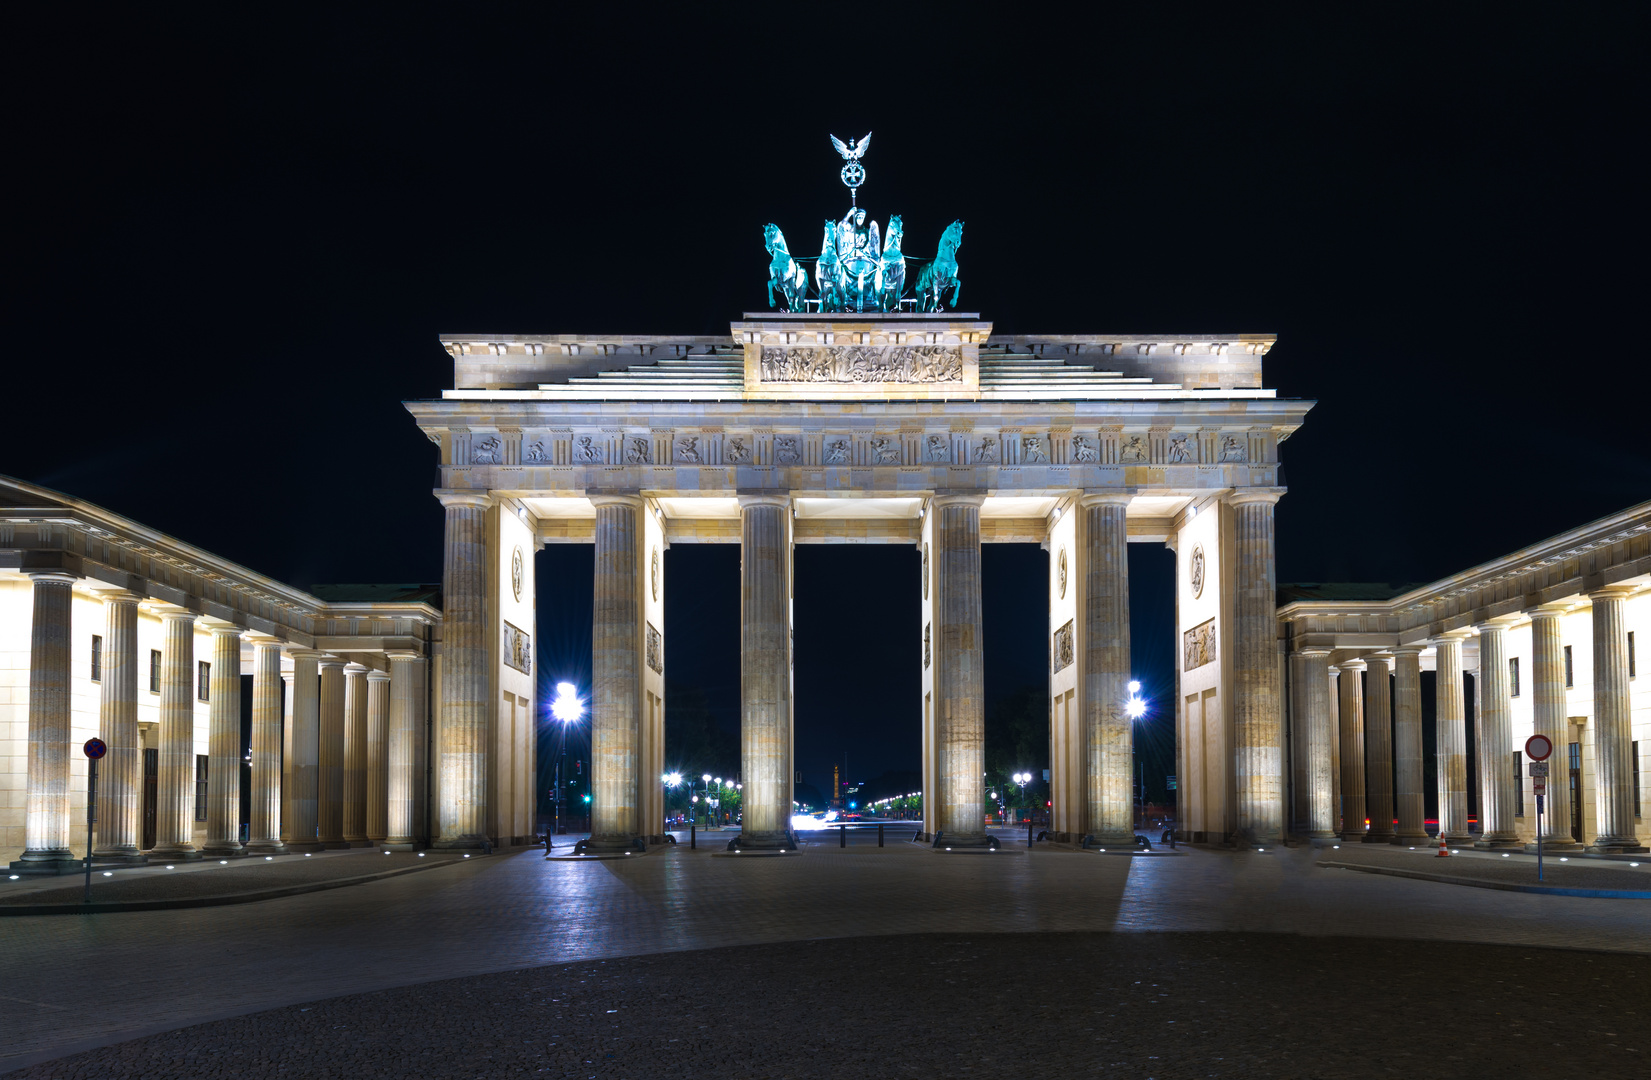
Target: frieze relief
{"x":1063,"y":647}
{"x":926,"y":629}
{"x":1198,"y":646}
{"x":518,"y":649}
{"x":656,"y":650}
{"x":587,"y":451}
{"x":939,"y":449}
{"x":536,"y":453}
{"x":737,"y":451}
{"x":863,"y":364}
{"x":787,"y":449}
{"x":638,"y":450}
{"x":487,"y":451}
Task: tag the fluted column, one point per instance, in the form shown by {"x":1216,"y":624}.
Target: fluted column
{"x":175,"y":795}
{"x":1407,"y":739}
{"x":1352,"y":750}
{"x":301,"y":761}
{"x":223,"y":766}
{"x":1109,"y":729}
{"x":264,"y":834}
{"x":402,"y":780}
{"x":1494,"y":697}
{"x":118,"y":774}
{"x":1450,"y":738}
{"x":46,"y":818}
{"x":1548,"y":716}
{"x":1258,"y":743}
{"x":329,"y":814}
{"x":1613,"y":736}
{"x":354,"y":802}
{"x":765,"y":670}
{"x":1320,"y":789}
{"x":1378,"y":757}
{"x":378,"y":724}
{"x":466,"y":693}
{"x":959,"y":681}
{"x":615,"y":715}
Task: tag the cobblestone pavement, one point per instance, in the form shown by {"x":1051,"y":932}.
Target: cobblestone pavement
{"x":1517,"y":868}
{"x":75,"y":982}
{"x":1063,"y":1005}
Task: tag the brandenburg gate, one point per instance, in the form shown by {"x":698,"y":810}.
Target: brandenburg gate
{"x":898,"y":426}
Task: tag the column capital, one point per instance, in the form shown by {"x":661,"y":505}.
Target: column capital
{"x":261,"y":640}
{"x":1355,"y":664}
{"x":765,"y":498}
{"x":1381,"y":659}
{"x":1105,"y":498}
{"x":480,"y":500}
{"x":1415,"y":648}
{"x":1553,"y":609}
{"x":1245,"y":496}
{"x":375,"y":675}
{"x":169,"y":612}
{"x":328,"y":660}
{"x":51,"y":577}
{"x":1458,"y":635}
{"x":614,"y":498}
{"x":219,"y":626}
{"x":116,"y":596}
{"x":1499,"y":623}
{"x":353,"y":668}
{"x":403,"y":655}
{"x":957,"y":500}
{"x":1314,"y":650}
{"x":1609,"y":592}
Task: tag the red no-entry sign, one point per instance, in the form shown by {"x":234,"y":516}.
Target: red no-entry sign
{"x":1538,"y":747}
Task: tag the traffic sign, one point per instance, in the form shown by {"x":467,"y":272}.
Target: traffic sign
{"x":95,"y":748}
{"x":1539,"y":768}
{"x":1538,"y":747}
{"x":1539,"y":785}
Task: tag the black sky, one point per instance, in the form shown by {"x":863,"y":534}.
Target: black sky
{"x":231,"y":245}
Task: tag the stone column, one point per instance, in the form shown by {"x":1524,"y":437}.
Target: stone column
{"x":1378,"y":757}
{"x":615,"y":714}
{"x":46,"y":817}
{"x":301,"y":761}
{"x":355,"y":756}
{"x":1258,"y":744}
{"x":1109,"y":729}
{"x":765,"y":671}
{"x":959,"y":681}
{"x":466,"y":688}
{"x":264,"y":836}
{"x":1352,"y":750}
{"x":406,"y":734}
{"x":1320,"y":790}
{"x":329,"y":815}
{"x":1613,"y":763}
{"x":223,"y":767}
{"x":1450,"y":739}
{"x":119,"y":799}
{"x":378,"y":723}
{"x":1548,"y":715}
{"x":1407,"y":735}
{"x":1494,"y":697}
{"x":175,"y":795}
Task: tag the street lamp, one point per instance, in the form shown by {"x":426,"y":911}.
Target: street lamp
{"x":567,"y":707}
{"x":1137,"y":708}
{"x":672,"y":780}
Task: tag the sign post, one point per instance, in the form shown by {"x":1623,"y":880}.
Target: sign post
{"x":1537,"y":748}
{"x":94,"y":749}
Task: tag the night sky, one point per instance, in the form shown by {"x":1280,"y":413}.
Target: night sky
{"x":231,"y":246}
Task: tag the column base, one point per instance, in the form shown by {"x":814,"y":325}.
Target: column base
{"x":231,"y":848}
{"x":399,"y":845}
{"x":27,"y":867}
{"x":309,"y":848}
{"x":1625,"y":845}
{"x":1412,"y":839}
{"x":123,"y":853}
{"x":945,"y":841}
{"x":1499,"y":843}
{"x":463,"y":842}
{"x":1351,"y":837}
{"x":1380,"y":838}
{"x":183,"y":853}
{"x":1457,"y":839}
{"x":376,"y":841}
{"x":610,"y":845}
{"x":1551,"y":846}
{"x":352,"y":842}
{"x":266,"y":847}
{"x":762,"y":841}
{"x":334,"y":845}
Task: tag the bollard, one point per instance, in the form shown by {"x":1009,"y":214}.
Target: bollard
{"x":879,"y":834}
{"x":693,"y":842}
{"x":1028,"y":831}
{"x":842,"y":836}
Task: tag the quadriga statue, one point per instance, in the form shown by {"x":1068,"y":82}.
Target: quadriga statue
{"x":941,"y":274}
{"x":891,"y":275}
{"x":784,"y":272}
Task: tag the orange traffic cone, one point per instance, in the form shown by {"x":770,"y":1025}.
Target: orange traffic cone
{"x":1444,"y":852}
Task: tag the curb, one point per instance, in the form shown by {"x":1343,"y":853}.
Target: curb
{"x":1505,"y":886}
{"x":213,"y":901}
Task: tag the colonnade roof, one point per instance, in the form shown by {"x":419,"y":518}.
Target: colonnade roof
{"x":46,"y":530}
{"x":1559,"y":572}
